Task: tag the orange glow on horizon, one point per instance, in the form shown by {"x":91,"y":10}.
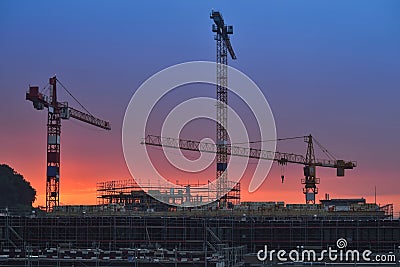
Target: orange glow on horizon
{"x":79,"y":192}
{"x":78,"y":182}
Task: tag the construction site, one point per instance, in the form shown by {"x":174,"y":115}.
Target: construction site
{"x":122,"y":232}
{"x":139,"y":225}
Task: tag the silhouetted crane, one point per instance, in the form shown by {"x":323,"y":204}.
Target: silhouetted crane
{"x":223,"y":45}
{"x":56,"y":112}
{"x":309,"y":161}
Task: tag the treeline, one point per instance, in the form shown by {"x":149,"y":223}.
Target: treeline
{"x":15,"y":191}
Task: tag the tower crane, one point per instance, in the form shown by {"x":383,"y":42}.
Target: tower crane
{"x":223,"y":45}
{"x":309,"y":161}
{"x":223,"y":149}
{"x":56,"y":112}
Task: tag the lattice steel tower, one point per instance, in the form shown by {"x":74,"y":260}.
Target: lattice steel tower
{"x":310,"y":180}
{"x":53,"y":149}
{"x":222,"y":139}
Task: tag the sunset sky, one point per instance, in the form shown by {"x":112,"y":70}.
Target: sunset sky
{"x":330,"y":68}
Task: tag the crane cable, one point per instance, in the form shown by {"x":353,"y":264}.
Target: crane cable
{"x":73,"y":97}
{"x":270,"y":140}
{"x":44,"y":88}
{"x":326,"y":152}
{"x":329,"y":154}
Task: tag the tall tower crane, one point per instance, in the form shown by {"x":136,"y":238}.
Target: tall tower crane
{"x":309,"y":161}
{"x":223,"y":149}
{"x":56,"y":112}
{"x":223,"y":46}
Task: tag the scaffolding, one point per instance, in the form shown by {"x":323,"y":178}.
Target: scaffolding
{"x":388,"y":209}
{"x":196,"y":233}
{"x":129,"y":194}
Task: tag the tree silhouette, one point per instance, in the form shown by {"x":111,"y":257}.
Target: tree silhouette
{"x":15,"y":191}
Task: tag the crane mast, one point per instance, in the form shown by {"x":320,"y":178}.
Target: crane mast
{"x":310,"y":180}
{"x":53,"y":149}
{"x":56,"y":112}
{"x":222,"y":139}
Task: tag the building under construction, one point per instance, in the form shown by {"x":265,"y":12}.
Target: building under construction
{"x":129,"y":226}
{"x":134,"y":197}
{"x":197,"y":234}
